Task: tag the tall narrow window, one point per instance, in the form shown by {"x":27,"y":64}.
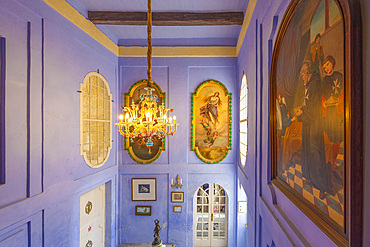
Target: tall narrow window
{"x":96,"y":119}
{"x":243,"y":118}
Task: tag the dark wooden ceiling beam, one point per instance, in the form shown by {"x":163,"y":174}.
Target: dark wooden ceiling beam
{"x":166,"y":18}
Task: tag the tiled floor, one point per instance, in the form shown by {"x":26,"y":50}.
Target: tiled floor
{"x":330,"y":205}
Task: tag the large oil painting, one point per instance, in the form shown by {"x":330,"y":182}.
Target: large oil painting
{"x":211,"y":121}
{"x":137,"y":147}
{"x":309,"y":109}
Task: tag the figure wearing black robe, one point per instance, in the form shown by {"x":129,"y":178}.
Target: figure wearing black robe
{"x":314,"y":166}
{"x":285,"y":118}
{"x":332,"y":85}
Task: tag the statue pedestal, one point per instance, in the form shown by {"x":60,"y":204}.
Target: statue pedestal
{"x":158,"y":245}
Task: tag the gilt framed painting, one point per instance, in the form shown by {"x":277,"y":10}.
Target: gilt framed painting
{"x":177,"y":196}
{"x":316,"y":114}
{"x":211,"y":121}
{"x":143,"y":210}
{"x":177,"y":209}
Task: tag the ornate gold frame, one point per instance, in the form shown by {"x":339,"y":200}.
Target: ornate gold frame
{"x":227,"y":120}
{"x":352,"y":232}
{"x":127,"y":99}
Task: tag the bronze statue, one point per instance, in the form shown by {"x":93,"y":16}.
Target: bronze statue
{"x":157,"y":241}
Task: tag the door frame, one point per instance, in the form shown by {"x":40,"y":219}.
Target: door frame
{"x":210,"y":212}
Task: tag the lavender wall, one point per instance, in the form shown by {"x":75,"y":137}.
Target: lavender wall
{"x":178,"y":77}
{"x":274,"y":218}
{"x":46,"y":59}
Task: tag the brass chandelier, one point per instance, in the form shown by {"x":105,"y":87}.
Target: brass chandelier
{"x":147,"y":119}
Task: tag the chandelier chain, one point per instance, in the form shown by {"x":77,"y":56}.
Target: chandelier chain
{"x":149,"y":53}
{"x":146,"y":119}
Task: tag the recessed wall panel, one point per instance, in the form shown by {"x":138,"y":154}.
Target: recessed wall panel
{"x":224,"y":74}
{"x":15,"y":237}
{"x":15,"y":108}
{"x":24,"y":233}
{"x":130,"y":75}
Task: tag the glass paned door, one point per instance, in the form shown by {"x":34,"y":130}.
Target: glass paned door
{"x":210,"y":220}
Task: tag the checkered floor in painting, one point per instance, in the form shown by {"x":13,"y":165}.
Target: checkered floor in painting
{"x":331,"y":205}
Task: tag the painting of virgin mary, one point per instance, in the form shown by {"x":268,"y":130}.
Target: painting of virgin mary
{"x":211,"y":125}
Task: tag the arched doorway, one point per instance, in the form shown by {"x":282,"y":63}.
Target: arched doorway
{"x":210,"y":216}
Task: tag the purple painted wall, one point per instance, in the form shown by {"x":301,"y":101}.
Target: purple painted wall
{"x":178,"y":77}
{"x":274,"y":219}
{"x":46,"y":59}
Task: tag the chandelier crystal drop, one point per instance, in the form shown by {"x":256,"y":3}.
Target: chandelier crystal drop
{"x":147,"y":119}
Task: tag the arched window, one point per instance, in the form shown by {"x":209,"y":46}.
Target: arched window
{"x":243,"y":120}
{"x":96,"y":119}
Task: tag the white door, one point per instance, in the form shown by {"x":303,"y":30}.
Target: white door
{"x":92,"y":218}
{"x":210,"y":217}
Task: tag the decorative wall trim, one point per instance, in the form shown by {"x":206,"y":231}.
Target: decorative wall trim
{"x":178,"y":51}
{"x":28,"y":125}
{"x":247,"y":19}
{"x":42,"y":101}
{"x":278,"y":221}
{"x":25,"y":232}
{"x":71,"y":14}
{"x":291,"y":225}
{"x":2,"y":109}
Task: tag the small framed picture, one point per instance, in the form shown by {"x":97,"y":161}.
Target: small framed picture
{"x":144,"y":189}
{"x":143,"y":210}
{"x":177,"y":196}
{"x":177,"y":209}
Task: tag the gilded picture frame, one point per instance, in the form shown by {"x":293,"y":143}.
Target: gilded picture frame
{"x":211,"y":121}
{"x":177,"y":196}
{"x":177,"y":209}
{"x":136,"y":148}
{"x":143,"y":210}
{"x":316,"y":115}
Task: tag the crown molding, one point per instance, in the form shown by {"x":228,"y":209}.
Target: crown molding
{"x":247,"y":19}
